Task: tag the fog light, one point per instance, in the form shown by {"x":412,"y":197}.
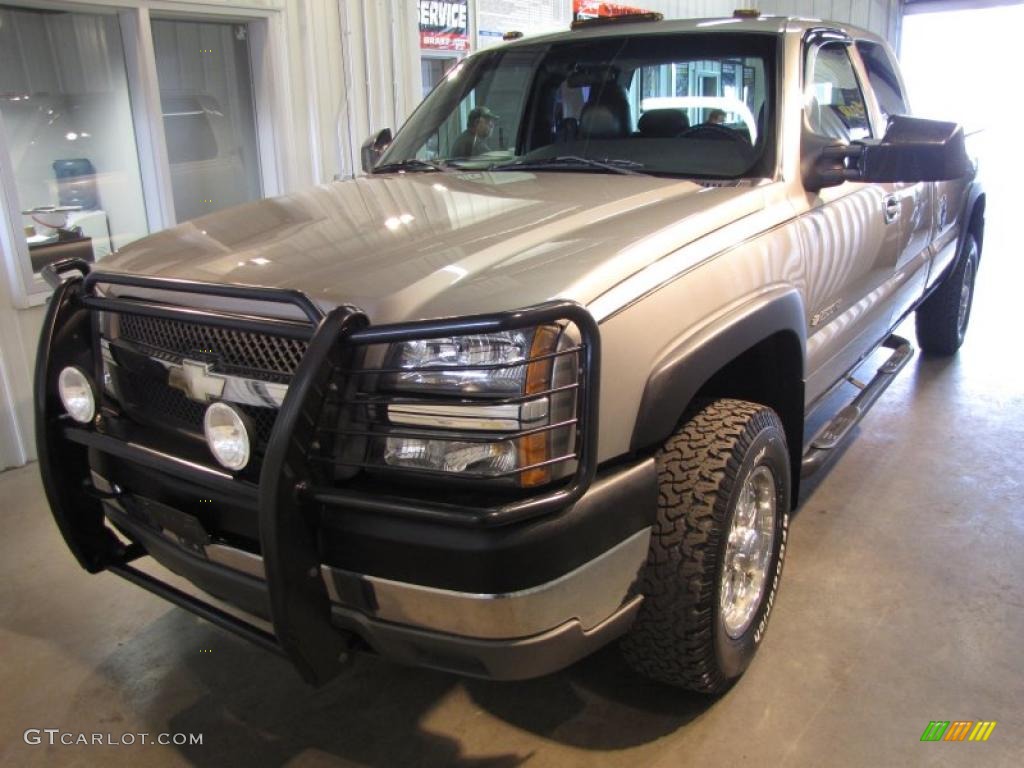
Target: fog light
{"x":77,"y":394}
{"x":227,"y":435}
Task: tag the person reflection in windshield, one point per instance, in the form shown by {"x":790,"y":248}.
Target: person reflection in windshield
{"x":473,"y":141}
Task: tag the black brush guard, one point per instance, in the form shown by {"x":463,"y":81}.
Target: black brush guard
{"x":286,"y":499}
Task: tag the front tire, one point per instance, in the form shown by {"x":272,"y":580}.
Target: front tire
{"x":942,"y":319}
{"x":717,"y":547}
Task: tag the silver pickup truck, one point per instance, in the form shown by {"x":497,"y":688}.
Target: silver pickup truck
{"x":538,"y":381}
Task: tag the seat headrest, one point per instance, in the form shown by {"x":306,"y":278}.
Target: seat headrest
{"x":606,"y":114}
{"x":598,"y":121}
{"x":663,"y":123}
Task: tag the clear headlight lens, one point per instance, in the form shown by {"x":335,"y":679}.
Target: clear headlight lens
{"x":227,"y":436}
{"x":473,"y":379}
{"x":451,"y":455}
{"x":451,"y":361}
{"x":77,"y":394}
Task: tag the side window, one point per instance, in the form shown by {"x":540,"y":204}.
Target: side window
{"x":834,"y":102}
{"x":883,"y":78}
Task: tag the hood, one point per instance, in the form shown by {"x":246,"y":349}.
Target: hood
{"x":418,"y":245}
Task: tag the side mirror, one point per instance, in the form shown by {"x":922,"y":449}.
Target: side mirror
{"x":913,"y":149}
{"x":373,"y":148}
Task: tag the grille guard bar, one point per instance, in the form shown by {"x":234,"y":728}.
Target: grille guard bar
{"x":288,"y":506}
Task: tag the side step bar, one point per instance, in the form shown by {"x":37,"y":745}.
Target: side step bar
{"x":833,"y":433}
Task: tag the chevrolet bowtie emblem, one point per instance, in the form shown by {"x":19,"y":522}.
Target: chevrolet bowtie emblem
{"x":196,"y":380}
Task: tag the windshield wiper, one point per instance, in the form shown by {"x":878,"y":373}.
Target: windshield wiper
{"x":571,"y":162}
{"x":411,"y":164}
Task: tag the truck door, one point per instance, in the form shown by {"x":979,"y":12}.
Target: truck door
{"x":850,"y":241}
{"x":909,"y":205}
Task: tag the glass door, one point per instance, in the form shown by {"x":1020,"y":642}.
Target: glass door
{"x":206,"y":95}
{"x":433,"y":68}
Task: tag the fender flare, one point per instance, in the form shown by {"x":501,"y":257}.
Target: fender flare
{"x":975,"y":191}
{"x":691,"y":362}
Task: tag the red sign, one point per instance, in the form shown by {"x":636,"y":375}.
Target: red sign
{"x":592,"y":9}
{"x":444,"y":25}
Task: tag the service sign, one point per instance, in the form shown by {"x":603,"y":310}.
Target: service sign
{"x":444,"y":24}
{"x":592,"y":9}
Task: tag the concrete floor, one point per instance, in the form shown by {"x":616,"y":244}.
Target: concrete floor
{"x":901,"y":603}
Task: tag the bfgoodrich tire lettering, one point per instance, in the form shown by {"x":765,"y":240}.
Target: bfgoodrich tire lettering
{"x":680,"y":636}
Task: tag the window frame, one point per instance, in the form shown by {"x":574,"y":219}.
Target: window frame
{"x":815,"y":42}
{"x":267,"y":39}
{"x":893,"y":68}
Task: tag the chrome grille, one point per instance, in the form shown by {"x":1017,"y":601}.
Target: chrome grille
{"x":255,"y":355}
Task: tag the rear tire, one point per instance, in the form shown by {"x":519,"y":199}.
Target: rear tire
{"x":942,"y":319}
{"x":697,"y":628}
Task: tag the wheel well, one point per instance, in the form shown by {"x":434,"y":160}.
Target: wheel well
{"x":770,"y":373}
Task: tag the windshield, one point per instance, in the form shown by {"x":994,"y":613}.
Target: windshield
{"x":691,"y":104}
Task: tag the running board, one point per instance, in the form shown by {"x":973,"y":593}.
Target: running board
{"x":833,"y":433}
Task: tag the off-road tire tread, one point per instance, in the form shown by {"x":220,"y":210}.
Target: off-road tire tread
{"x":937,"y":318}
{"x":672,"y":638}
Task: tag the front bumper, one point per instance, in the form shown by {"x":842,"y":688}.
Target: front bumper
{"x":506,"y":593}
{"x":503,"y":636}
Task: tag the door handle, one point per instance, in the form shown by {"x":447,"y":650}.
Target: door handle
{"x":891,"y":208}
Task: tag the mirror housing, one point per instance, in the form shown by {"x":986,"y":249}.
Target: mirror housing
{"x":373,"y":148}
{"x":913,"y":149}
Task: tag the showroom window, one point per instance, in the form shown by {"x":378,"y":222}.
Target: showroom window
{"x":114,"y":124}
{"x":70,"y":137}
{"x":209,"y":119}
{"x":432,"y":69}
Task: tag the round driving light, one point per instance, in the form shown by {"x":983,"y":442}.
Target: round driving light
{"x":77,"y":394}
{"x":227,"y":435}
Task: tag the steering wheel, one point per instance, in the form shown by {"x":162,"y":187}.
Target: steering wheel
{"x":714,"y":132}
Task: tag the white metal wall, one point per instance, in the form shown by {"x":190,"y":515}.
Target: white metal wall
{"x":879,"y":16}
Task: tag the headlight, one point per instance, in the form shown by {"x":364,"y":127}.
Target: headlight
{"x":227,"y":435}
{"x":480,"y":364}
{"x":77,"y":394}
{"x":488,"y":406}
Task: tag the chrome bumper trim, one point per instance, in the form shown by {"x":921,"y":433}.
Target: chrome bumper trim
{"x":237,"y":559}
{"x":589,"y":594}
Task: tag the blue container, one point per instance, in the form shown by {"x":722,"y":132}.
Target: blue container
{"x":76,"y":183}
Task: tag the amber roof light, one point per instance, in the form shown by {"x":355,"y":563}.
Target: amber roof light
{"x":625,"y":18}
{"x":746,"y":13}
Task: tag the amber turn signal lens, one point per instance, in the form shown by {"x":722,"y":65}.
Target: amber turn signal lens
{"x":536,"y":449}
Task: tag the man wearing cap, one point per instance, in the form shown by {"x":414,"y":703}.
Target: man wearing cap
{"x":473,"y":141}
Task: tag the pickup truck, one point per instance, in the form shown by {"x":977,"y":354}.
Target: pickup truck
{"x":541,"y":379}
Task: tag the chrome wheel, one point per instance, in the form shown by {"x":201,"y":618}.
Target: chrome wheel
{"x":748,"y":552}
{"x":966,"y":289}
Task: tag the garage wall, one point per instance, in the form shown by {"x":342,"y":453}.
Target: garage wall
{"x":879,"y":16}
